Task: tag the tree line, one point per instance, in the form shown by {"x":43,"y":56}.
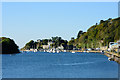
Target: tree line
{"x":8,"y":46}
{"x":98,"y":35}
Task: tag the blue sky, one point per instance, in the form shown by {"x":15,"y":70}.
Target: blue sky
{"x":23,"y":21}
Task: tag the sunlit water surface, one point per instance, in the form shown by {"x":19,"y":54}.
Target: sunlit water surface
{"x":58,"y":65}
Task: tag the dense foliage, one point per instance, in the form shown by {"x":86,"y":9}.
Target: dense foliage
{"x":56,"y":42}
{"x":98,"y":35}
{"x":8,"y":46}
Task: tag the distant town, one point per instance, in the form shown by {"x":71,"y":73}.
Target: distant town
{"x":57,"y":44}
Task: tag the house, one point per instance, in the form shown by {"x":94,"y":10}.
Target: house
{"x":115,"y":46}
{"x":60,"y":47}
{"x":103,"y":48}
{"x":118,"y":44}
{"x":110,"y":44}
{"x":45,"y":46}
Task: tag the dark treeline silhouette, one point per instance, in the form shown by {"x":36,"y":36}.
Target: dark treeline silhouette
{"x":8,"y":46}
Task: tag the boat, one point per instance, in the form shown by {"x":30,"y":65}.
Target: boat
{"x":44,"y":50}
{"x":102,"y":51}
{"x":110,"y":59}
{"x":84,"y":51}
{"x":53,"y":50}
{"x":35,"y":50}
{"x":64,"y":51}
{"x":87,"y":51}
{"x":58,"y":51}
{"x":73,"y":51}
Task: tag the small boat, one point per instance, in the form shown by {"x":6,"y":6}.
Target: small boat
{"x":110,"y":59}
{"x":53,"y":51}
{"x":102,"y":51}
{"x":73,"y":51}
{"x":84,"y":51}
{"x":64,"y":51}
{"x":58,"y":51}
{"x":87,"y":51}
{"x":35,"y":50}
{"x":44,"y":50}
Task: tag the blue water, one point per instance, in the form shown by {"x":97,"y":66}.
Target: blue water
{"x":58,"y":65}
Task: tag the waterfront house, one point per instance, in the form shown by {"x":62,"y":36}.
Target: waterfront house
{"x":45,"y":46}
{"x":118,"y":45}
{"x":60,"y":47}
{"x":110,"y":44}
{"x":115,"y":46}
{"x":103,"y":48}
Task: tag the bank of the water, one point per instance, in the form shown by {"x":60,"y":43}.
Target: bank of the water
{"x":113,"y":56}
{"x":92,"y":51}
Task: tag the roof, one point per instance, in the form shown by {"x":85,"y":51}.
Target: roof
{"x":115,"y":44}
{"x":118,"y":41}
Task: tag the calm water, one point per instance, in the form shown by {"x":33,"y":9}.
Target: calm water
{"x":58,"y":65}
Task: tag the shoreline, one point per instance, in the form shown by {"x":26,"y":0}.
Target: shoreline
{"x":115,"y":57}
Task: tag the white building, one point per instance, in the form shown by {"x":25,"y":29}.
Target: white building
{"x":118,"y":44}
{"x":60,"y":47}
{"x":115,"y":46}
{"x":45,"y":46}
{"x":110,"y":44}
{"x":49,"y":43}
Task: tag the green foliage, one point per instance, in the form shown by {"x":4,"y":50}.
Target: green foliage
{"x":8,"y":46}
{"x":108,"y":31}
{"x":45,"y":42}
{"x":79,"y":33}
{"x":56,"y":41}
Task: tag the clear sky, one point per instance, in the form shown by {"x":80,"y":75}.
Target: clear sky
{"x":39,"y":20}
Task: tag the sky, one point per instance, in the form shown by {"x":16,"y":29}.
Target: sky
{"x":25,"y":21}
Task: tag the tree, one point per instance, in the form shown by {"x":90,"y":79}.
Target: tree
{"x":101,"y":21}
{"x":72,"y":38}
{"x":29,"y":45}
{"x":45,"y":42}
{"x":79,"y":33}
{"x":8,"y":46}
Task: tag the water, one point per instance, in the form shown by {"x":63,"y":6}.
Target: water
{"x":58,"y":65}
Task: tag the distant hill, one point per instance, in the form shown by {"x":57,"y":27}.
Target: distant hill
{"x":8,"y":46}
{"x":99,"y":34}
{"x":55,"y":42}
